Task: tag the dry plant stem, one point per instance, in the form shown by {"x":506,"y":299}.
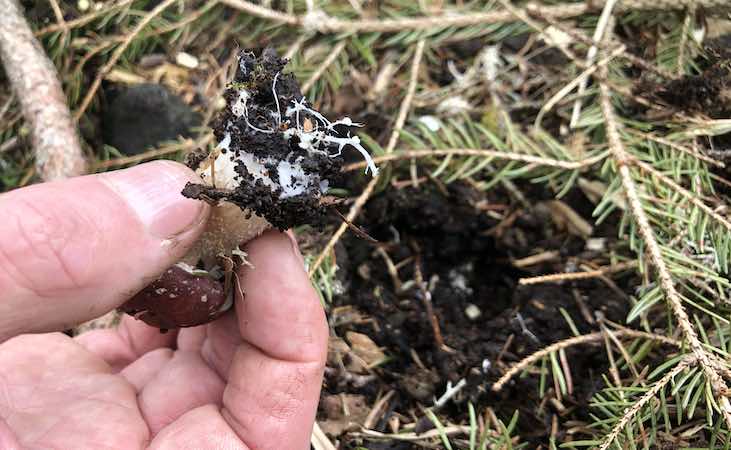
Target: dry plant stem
{"x":377,"y":411}
{"x":112,"y":40}
{"x":59,"y":15}
{"x":576,"y":82}
{"x":296,"y":46}
{"x":428,"y":305}
{"x":118,"y":54}
{"x":452,"y":430}
{"x":426,"y":153}
{"x":365,"y":195}
{"x":523,"y":16}
{"x":591,"y":54}
{"x":622,"y":160}
{"x":322,"y":23}
{"x":607,"y":45}
{"x":637,"y":406}
{"x":184,"y":145}
{"x":319,"y":439}
{"x":573,"y":276}
{"x":35,"y":82}
{"x":81,"y":21}
{"x":689,"y":17}
{"x":334,"y":53}
{"x":578,"y":340}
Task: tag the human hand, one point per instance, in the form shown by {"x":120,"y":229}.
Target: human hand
{"x":73,"y":250}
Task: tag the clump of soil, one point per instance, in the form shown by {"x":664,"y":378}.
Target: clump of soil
{"x":255,"y":134}
{"x":142,"y":116}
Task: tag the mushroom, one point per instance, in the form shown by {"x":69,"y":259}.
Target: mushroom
{"x":276,"y":158}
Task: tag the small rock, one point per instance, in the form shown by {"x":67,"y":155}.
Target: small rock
{"x":596,"y":244}
{"x":431,"y":122}
{"x":472,"y":311}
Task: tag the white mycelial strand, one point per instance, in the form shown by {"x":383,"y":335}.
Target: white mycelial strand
{"x":276,"y":100}
{"x":312,"y":140}
{"x":292,"y":179}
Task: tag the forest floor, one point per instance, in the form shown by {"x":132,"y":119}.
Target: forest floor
{"x":496,"y":286}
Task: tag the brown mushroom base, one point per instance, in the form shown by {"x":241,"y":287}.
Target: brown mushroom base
{"x":181,"y":297}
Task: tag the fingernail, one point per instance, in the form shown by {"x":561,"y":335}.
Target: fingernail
{"x":152,"y":190}
{"x":295,"y":246}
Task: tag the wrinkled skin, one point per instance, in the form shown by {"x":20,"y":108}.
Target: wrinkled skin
{"x":249,"y":380}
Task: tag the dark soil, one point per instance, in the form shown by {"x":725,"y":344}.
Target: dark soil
{"x":444,"y":232}
{"x":707,"y":93}
{"x":143,"y":116}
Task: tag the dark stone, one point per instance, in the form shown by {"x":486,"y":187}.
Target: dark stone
{"x":145,"y":115}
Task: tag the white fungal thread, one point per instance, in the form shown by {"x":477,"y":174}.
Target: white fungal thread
{"x":276,"y":100}
{"x":246,"y":115}
{"x":312,"y":140}
{"x":315,"y":133}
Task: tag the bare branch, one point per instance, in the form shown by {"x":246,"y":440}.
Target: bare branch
{"x":35,"y":82}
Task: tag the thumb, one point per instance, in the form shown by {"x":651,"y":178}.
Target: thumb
{"x":72,"y":250}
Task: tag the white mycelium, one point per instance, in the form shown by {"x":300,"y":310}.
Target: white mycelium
{"x":317,"y":138}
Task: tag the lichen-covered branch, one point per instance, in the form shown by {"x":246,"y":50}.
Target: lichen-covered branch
{"x":35,"y":82}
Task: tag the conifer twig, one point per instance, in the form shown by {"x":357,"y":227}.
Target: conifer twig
{"x":398,"y":126}
{"x":38,"y":89}
{"x":623,"y":161}
{"x":684,"y":192}
{"x":573,"y":341}
{"x":637,"y":406}
{"x":486,"y":153}
{"x":677,"y":147}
